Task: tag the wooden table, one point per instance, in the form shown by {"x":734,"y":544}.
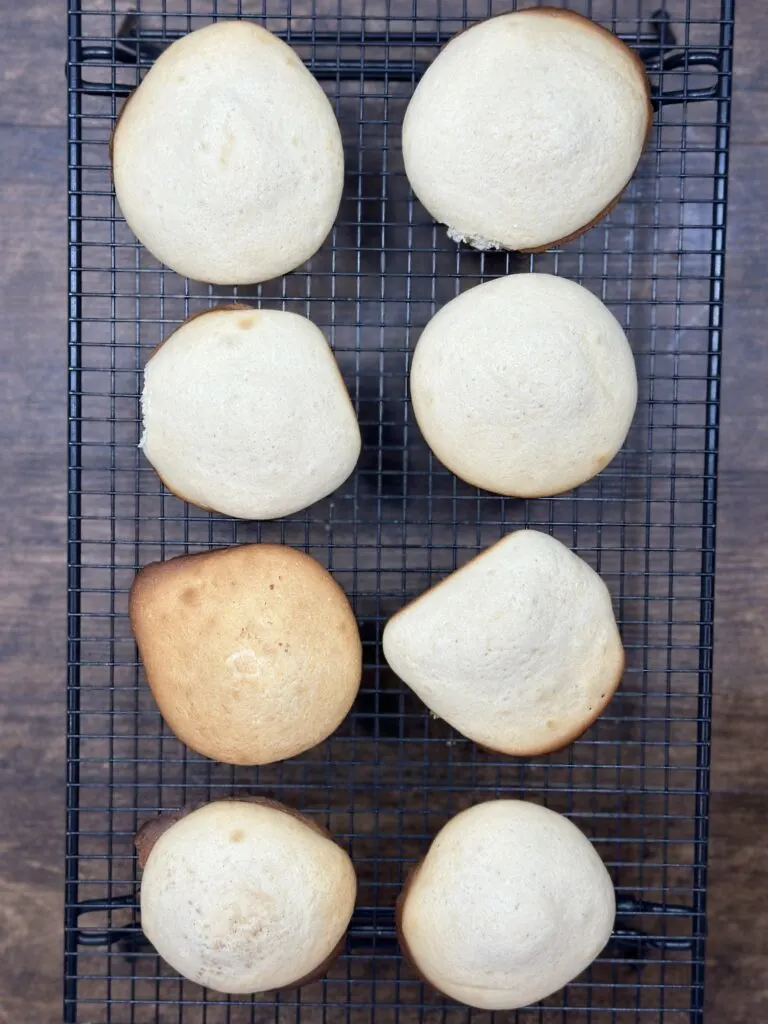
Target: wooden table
{"x":32,"y":601}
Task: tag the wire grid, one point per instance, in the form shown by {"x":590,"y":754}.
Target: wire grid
{"x":637,"y":782}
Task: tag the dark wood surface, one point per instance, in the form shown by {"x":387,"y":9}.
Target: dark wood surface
{"x":737,"y":983}
{"x":32,"y":600}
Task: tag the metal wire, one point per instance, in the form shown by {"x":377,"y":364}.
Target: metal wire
{"x":637,"y":783}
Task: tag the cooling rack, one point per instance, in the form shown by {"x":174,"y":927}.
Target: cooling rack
{"x":637,"y":782}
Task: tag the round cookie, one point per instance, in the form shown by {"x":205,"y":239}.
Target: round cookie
{"x":518,"y":650}
{"x":227,"y":159}
{"x":252,"y":653}
{"x":245,"y":896}
{"x":534,"y":901}
{"x":526,"y":129}
{"x":525,"y":385}
{"x":245,"y":412}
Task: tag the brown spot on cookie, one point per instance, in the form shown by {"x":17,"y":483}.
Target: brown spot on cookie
{"x":226,"y":149}
{"x":151,"y":830}
{"x":246,"y":322}
{"x":237,"y":836}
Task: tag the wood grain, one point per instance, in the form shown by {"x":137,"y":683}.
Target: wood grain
{"x":33,"y":460}
{"x":32,"y":600}
{"x":738,"y":916}
{"x":737,"y":984}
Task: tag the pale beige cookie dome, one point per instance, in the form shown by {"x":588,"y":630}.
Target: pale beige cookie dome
{"x":518,"y":650}
{"x":525,"y":385}
{"x":252,"y":652}
{"x":245,"y":896}
{"x":526,"y":128}
{"x":245,"y":412}
{"x":227,"y":160}
{"x":511,"y":902}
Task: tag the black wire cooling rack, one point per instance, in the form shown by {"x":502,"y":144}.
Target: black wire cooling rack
{"x":637,"y":782}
